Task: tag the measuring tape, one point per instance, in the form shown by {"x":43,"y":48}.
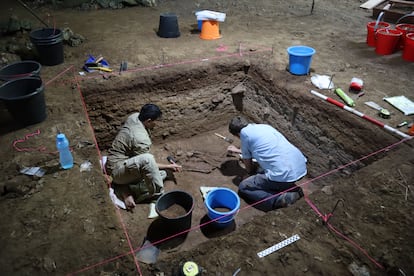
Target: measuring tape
{"x":384,"y":113}
{"x":278,"y":246}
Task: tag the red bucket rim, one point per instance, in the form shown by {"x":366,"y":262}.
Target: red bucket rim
{"x":405,"y":27}
{"x":381,"y":23}
{"x":389,"y":32}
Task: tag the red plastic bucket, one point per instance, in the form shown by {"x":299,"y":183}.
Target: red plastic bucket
{"x":387,"y":41}
{"x":405,"y":29}
{"x":408,"y":51}
{"x":372,"y":27}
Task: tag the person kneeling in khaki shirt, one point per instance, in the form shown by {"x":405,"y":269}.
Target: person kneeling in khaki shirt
{"x":133,"y":168}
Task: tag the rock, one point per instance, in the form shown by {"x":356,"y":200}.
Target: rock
{"x":72,"y":39}
{"x":130,"y":2}
{"x":239,"y":89}
{"x":14,"y":25}
{"x":358,"y":270}
{"x":25,"y":25}
{"x":147,"y":3}
{"x":116,"y":4}
{"x":327,"y":190}
{"x":104,"y":3}
{"x":19,"y":185}
{"x":49,"y":264}
{"x":7,"y":58}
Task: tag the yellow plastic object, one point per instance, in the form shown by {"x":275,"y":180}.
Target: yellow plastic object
{"x":349,"y":101}
{"x":190,"y":269}
{"x":105,"y":69}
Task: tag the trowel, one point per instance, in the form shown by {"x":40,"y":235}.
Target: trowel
{"x":383,"y":113}
{"x":228,"y":140}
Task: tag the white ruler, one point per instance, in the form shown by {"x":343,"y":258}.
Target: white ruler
{"x":278,"y":246}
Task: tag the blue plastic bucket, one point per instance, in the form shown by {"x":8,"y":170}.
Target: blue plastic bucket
{"x":222,"y":198}
{"x":300,"y":58}
{"x":199,"y":24}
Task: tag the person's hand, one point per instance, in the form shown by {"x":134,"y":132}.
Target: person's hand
{"x":129,"y":202}
{"x":175,"y":167}
{"x":233,"y":148}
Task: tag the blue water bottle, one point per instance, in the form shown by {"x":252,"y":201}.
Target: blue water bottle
{"x":65,"y":156}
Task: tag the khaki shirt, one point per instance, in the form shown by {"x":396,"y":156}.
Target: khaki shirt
{"x":132,"y":139}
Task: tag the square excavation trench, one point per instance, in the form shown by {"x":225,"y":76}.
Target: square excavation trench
{"x":198,"y":101}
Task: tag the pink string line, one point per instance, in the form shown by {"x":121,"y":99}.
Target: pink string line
{"x":153,"y":67}
{"x":118,"y":212}
{"x":59,"y":75}
{"x":132,"y":251}
{"x":27,"y":137}
{"x":324,"y":217}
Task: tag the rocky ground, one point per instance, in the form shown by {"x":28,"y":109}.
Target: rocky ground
{"x":356,"y":216}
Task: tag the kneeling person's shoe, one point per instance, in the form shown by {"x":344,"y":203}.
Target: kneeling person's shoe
{"x":286,"y":199}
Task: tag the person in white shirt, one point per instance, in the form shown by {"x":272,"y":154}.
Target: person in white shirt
{"x":281,"y":165}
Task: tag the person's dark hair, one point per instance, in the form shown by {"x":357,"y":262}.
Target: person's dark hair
{"x":236,"y":124}
{"x":149,"y":111}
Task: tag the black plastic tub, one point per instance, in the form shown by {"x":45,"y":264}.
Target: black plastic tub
{"x":24,"y":99}
{"x":20,"y":69}
{"x":49,"y":45}
{"x":168,"y":27}
{"x":180,"y":222}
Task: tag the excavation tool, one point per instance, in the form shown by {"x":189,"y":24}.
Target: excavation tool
{"x":123,"y":67}
{"x":356,"y":112}
{"x":383,"y":113}
{"x":172,"y":161}
{"x":405,"y":123}
{"x":228,"y":140}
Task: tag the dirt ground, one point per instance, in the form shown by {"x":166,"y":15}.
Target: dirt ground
{"x":356,"y":217}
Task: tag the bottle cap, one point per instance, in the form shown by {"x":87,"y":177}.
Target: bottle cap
{"x":60,"y":137}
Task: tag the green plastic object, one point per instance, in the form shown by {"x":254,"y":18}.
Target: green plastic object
{"x":344,"y":97}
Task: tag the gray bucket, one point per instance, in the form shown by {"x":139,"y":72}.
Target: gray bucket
{"x":49,"y":45}
{"x":20,"y":69}
{"x":24,"y":99}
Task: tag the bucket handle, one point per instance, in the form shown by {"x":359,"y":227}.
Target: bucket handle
{"x":404,"y":16}
{"x":379,"y":18}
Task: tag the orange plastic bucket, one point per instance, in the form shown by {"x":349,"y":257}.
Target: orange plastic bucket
{"x":372,"y":27}
{"x":387,"y":41}
{"x":405,"y":29}
{"x":210,"y":29}
{"x":408,"y":51}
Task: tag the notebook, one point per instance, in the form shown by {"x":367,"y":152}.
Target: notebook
{"x":401,"y":103}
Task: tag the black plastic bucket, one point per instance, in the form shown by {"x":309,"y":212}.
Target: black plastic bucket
{"x":168,"y":27}
{"x":49,"y":45}
{"x":25,"y":100}
{"x":175,"y":222}
{"x":20,"y":69}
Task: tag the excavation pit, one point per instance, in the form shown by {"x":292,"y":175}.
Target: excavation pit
{"x":199,"y":101}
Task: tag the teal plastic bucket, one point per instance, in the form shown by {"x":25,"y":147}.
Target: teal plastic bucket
{"x":218,"y":201}
{"x":300,"y":58}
